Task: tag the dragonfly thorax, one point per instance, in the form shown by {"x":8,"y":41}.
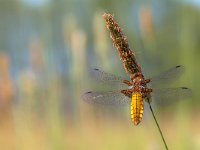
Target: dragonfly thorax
{"x":137,"y":85}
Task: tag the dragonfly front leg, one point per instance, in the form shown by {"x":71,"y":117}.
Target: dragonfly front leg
{"x":127,"y":93}
{"x":127,"y":82}
{"x":144,"y":82}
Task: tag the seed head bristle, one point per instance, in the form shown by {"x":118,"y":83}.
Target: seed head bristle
{"x":121,"y":43}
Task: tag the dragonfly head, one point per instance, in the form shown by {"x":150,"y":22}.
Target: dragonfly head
{"x":137,"y":80}
{"x":136,"y":77}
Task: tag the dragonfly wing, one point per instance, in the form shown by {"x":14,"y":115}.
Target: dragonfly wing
{"x":167,"y":95}
{"x":167,"y":77}
{"x":107,"y":78}
{"x":106,"y":98}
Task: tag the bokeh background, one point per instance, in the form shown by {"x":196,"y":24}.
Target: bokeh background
{"x":47,"y":48}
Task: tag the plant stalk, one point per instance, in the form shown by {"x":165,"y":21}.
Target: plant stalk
{"x":158,"y":126}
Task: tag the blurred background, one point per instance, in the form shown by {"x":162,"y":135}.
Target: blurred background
{"x":47,"y":48}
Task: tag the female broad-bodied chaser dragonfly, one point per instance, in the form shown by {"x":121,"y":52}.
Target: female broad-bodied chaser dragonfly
{"x":137,"y":90}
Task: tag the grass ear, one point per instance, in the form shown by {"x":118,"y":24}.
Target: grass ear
{"x":121,"y":44}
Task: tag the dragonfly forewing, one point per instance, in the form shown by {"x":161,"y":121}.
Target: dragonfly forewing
{"x":106,"y":98}
{"x":167,"y":77}
{"x":107,"y":78}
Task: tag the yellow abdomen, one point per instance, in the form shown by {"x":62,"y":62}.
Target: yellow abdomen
{"x":137,"y":108}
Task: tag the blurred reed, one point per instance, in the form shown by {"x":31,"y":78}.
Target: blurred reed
{"x":147,"y":30}
{"x":101,"y":41}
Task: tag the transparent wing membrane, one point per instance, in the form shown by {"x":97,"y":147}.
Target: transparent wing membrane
{"x":167,"y":95}
{"x":167,"y":77}
{"x":161,"y":96}
{"x":106,"y":98}
{"x":107,"y":78}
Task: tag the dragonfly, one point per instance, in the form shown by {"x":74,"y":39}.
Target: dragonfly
{"x":137,"y":90}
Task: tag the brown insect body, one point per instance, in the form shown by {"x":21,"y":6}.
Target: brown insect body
{"x":138,"y":90}
{"x":137,"y":93}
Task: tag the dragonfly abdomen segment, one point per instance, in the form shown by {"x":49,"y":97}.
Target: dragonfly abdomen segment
{"x":137,"y":108}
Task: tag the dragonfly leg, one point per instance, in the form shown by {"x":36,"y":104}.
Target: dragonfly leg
{"x":146,"y":93}
{"x":127,"y":82}
{"x":146,"y":90}
{"x":144,"y":82}
{"x":127,"y":93}
{"x":147,"y":81}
